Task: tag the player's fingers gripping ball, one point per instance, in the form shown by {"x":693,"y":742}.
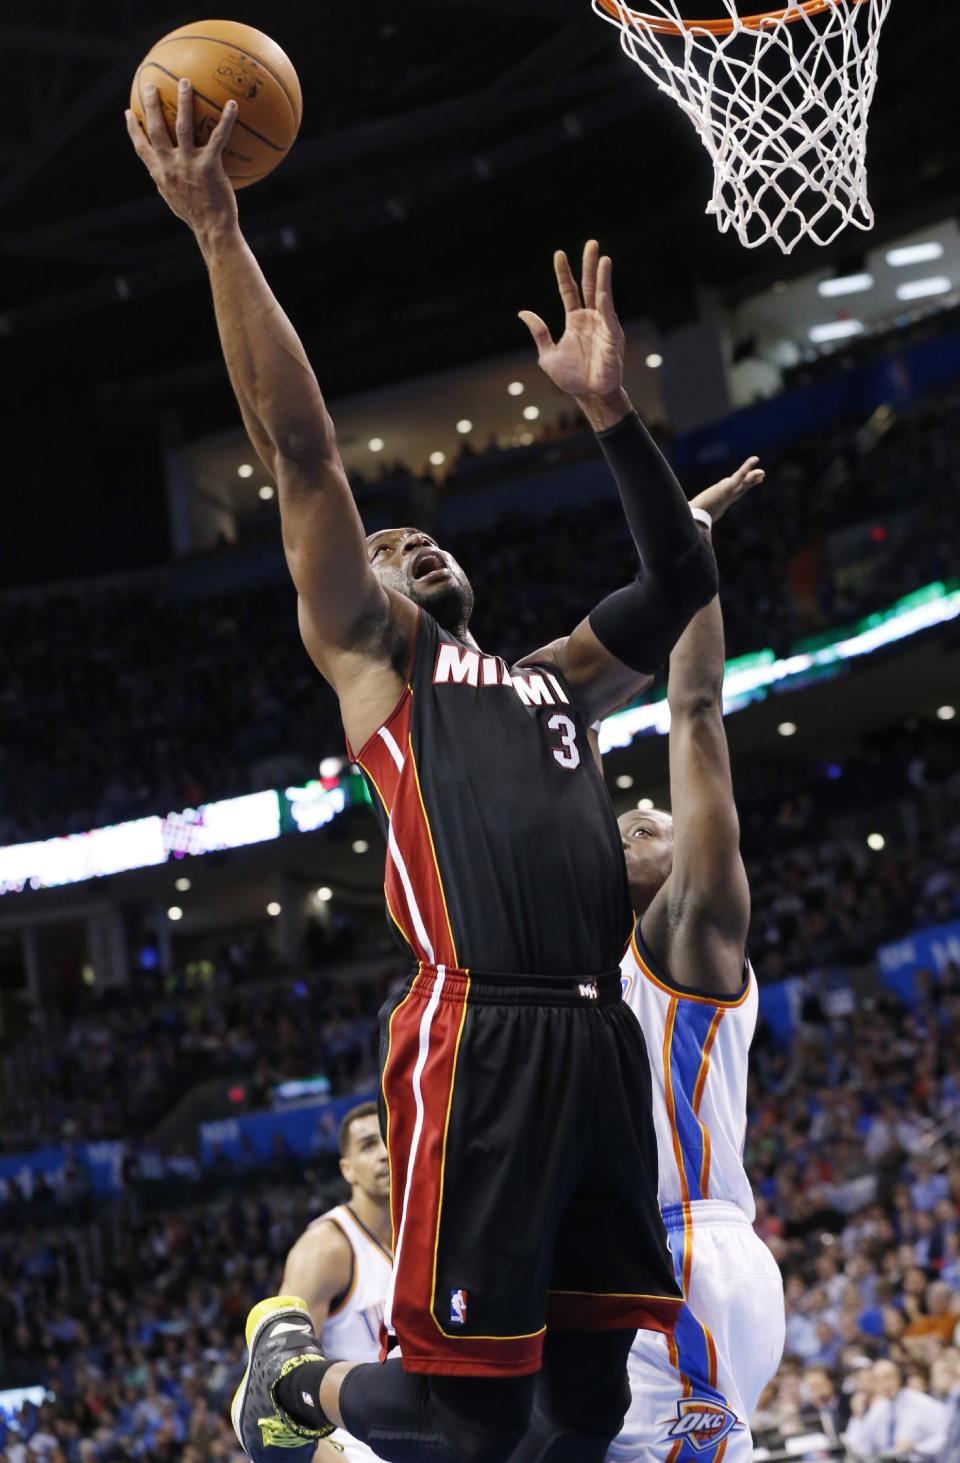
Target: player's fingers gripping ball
{"x":226,"y":61}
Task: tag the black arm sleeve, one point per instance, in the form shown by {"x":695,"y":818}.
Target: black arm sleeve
{"x":678,"y":572}
{"x":654,"y":504}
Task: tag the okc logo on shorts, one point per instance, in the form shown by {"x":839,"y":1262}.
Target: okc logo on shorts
{"x":702,"y":1423}
{"x":458,"y":1307}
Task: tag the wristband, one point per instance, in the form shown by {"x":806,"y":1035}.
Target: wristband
{"x":702,"y":516}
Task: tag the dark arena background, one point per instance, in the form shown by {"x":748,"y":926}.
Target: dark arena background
{"x":192,"y":943}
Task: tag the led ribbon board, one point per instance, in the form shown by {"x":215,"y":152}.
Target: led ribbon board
{"x":260,"y":817}
{"x":143,"y":843}
{"x":751,"y":677}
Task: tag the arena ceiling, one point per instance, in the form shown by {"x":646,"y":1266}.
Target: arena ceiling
{"x":447,"y":148}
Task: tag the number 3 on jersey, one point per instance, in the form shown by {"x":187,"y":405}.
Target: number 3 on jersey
{"x":567,"y":753}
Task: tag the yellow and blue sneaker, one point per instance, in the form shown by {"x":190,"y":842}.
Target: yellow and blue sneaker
{"x":279,"y":1339}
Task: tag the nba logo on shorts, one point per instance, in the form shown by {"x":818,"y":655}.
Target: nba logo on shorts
{"x":702,"y":1422}
{"x":458,"y":1307}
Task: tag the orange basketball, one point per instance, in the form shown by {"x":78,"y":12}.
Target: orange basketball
{"x":224,"y":59}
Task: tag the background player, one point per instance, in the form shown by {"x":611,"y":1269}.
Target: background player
{"x":687,"y":977}
{"x":341,"y":1265}
{"x":480,"y":771}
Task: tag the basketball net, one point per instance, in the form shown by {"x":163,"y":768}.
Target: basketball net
{"x":781,"y":103}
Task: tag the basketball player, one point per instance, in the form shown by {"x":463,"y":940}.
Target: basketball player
{"x":341,"y":1265}
{"x":687,"y":977}
{"x":515,"y":1090}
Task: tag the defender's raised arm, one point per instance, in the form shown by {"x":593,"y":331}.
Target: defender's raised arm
{"x":698,"y":923}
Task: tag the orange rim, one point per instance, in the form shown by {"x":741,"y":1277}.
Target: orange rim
{"x":664,"y":27}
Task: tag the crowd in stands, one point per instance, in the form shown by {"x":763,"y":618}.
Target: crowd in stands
{"x":127,"y":700}
{"x":144,"y":1354}
{"x":822,"y":900}
{"x":853,"y":1154}
{"x":134,"y":1321}
{"x":126,"y":1057}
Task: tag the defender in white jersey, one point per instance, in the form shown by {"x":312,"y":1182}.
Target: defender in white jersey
{"x":341,"y":1265}
{"x":687,"y":977}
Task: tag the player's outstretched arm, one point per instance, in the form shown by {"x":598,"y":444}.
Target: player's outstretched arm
{"x":697,"y":923}
{"x":319,"y":1269}
{"x":612,"y":654}
{"x":343,"y":610}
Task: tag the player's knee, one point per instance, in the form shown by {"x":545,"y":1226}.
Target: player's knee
{"x":476,"y":1442}
{"x":584,"y":1385}
{"x":598,"y":1408}
{"x":484,"y":1421}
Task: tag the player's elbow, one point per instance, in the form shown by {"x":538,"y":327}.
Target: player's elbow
{"x":696,"y":578}
{"x":300,"y":435}
{"x":698,"y":703}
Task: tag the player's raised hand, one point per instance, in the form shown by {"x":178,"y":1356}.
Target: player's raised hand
{"x":587,"y":360}
{"x":718,"y":498}
{"x":189,"y":178}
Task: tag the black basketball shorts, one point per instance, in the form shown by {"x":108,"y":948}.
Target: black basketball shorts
{"x":523,"y":1169}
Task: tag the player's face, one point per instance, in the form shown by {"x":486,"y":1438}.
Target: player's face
{"x":409,"y":561}
{"x":365,"y":1165}
{"x":648,"y":850}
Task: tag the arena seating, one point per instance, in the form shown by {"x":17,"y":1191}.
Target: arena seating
{"x":128,"y":1308}
{"x":130,"y":698}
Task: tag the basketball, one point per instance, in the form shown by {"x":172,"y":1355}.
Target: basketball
{"x":225,"y":60}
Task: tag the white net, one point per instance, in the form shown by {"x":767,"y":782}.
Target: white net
{"x":780,"y":102}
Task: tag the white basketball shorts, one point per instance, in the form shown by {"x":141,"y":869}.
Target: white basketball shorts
{"x":695,"y":1392}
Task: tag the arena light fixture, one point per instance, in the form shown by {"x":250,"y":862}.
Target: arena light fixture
{"x":437,"y":459}
{"x":876,"y":841}
{"x":174,"y":913}
{"x":914,"y":254}
{"x":787,"y":728}
{"x":924,"y":289}
{"x":645,"y":805}
{"x":245,"y":470}
{"x":845,"y":284}
{"x":624,"y":781}
{"x":835,"y":330}
{"x":530,"y":413}
{"x":654,"y":360}
{"x":182,"y":885}
{"x":267,"y":492}
{"x":273,"y":909}
{"x":946,"y":713}
{"x":375,"y":444}
{"x":324,"y":893}
{"x":330,"y":766}
{"x":464,"y":425}
{"x":515,"y":388}
{"x":360,"y":845}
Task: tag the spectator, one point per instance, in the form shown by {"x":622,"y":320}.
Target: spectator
{"x":891,"y":1418}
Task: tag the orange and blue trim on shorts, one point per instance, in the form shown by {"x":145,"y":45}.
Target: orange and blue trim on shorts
{"x":693,"y":1354}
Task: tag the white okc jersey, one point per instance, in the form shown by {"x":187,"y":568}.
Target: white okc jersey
{"x":693,"y":1393}
{"x":352,"y":1329}
{"x":699,"y":1049}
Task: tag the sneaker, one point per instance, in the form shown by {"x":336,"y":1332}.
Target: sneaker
{"x":279,"y":1338}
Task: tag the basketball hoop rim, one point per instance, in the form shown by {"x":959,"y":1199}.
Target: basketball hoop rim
{"x":661,"y":26}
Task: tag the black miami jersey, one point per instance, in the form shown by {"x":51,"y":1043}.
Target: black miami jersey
{"x":503,"y":853}
{"x":515,"y":1087}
